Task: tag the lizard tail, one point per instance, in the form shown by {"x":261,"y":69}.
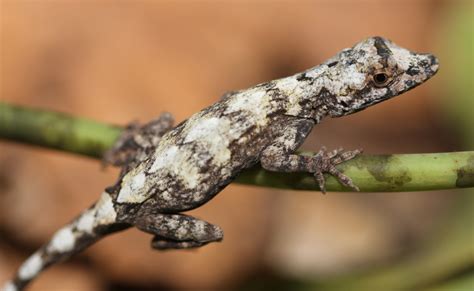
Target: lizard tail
{"x":91,"y":225}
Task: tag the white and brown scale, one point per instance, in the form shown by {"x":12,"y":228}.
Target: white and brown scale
{"x":167,"y":170}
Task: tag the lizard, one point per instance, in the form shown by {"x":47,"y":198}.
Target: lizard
{"x":168,"y":169}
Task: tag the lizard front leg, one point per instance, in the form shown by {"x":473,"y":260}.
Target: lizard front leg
{"x":177,"y":231}
{"x":138,"y":141}
{"x":279,"y":156}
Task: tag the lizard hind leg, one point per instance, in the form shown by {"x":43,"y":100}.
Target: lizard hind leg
{"x":177,"y":231}
{"x":90,"y":226}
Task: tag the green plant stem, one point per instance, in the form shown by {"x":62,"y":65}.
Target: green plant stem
{"x":56,"y":130}
{"x":372,"y":173}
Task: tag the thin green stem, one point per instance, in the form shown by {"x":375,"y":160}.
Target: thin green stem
{"x":56,"y":130}
{"x":372,"y":173}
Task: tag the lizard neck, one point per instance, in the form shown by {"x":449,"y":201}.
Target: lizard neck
{"x":305,"y":94}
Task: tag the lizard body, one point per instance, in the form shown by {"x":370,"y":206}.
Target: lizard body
{"x":168,"y":170}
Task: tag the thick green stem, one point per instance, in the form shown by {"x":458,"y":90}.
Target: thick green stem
{"x":373,"y":173}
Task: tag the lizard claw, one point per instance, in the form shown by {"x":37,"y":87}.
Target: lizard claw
{"x":325,"y":162}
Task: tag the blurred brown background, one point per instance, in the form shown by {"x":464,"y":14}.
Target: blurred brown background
{"x":121,"y":61}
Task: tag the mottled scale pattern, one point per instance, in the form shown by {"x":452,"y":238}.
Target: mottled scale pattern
{"x":168,"y":169}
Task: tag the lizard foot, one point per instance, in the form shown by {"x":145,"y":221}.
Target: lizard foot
{"x":325,"y":162}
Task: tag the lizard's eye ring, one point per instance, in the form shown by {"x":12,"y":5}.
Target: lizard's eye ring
{"x":381,"y":79}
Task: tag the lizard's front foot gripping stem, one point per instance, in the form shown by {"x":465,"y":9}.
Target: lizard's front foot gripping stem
{"x":325,"y":162}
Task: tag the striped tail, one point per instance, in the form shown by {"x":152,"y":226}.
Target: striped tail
{"x":94,"y":223}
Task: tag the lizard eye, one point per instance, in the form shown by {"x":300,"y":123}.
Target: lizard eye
{"x":381,"y":79}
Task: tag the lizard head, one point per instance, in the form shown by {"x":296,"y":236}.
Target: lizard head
{"x":372,"y":71}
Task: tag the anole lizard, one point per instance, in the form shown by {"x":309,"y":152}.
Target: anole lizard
{"x":169,"y":169}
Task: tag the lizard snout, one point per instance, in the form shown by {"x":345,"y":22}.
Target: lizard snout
{"x":429,"y":63}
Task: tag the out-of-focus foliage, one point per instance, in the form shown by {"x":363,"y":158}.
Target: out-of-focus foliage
{"x":456,"y":41}
{"x":457,"y":93}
